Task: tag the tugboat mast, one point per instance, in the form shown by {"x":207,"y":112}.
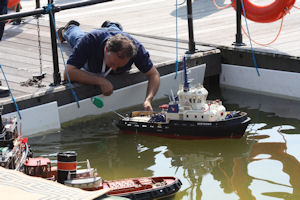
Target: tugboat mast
{"x":186,"y":86}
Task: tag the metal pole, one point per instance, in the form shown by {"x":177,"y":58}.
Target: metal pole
{"x":238,"y":36}
{"x":22,"y":14}
{"x":37,"y":4}
{"x":190,"y":26}
{"x":55,"y":9}
{"x":56,"y":74}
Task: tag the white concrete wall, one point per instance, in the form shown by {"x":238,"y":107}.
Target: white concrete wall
{"x":38,"y":119}
{"x":270,"y":82}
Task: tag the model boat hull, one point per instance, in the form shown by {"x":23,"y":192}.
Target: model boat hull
{"x":132,"y":188}
{"x":229,"y":128}
{"x":144,"y":188}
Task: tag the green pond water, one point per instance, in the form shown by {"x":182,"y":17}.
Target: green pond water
{"x":264,"y":164}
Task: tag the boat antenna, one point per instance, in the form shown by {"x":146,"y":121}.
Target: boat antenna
{"x":173,"y":98}
{"x":118,"y":114}
{"x":168,"y":97}
{"x":186,"y":82}
{"x":88,"y":165}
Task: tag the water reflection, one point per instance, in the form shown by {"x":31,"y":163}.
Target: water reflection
{"x":279,"y":176}
{"x":264,"y":164}
{"x":197,"y":159}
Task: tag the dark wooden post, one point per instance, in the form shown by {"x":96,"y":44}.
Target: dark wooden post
{"x":190,"y":27}
{"x":56,"y":73}
{"x":238,"y":36}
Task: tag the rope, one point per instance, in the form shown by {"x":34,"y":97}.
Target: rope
{"x":220,"y":7}
{"x":253,"y":56}
{"x":49,"y":9}
{"x":182,"y":3}
{"x":39,"y":44}
{"x":268,"y":42}
{"x":176,"y":39}
{"x":177,"y":63}
{"x":12,"y":97}
{"x":296,"y":7}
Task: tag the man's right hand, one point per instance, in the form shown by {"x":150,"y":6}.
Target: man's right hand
{"x":106,"y":86}
{"x":80,"y":76}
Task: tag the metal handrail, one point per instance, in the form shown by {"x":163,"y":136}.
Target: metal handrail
{"x":56,"y":8}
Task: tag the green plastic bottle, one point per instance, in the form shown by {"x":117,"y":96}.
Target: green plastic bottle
{"x":98,"y":102}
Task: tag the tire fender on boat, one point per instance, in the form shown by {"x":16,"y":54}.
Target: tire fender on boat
{"x":266,"y":13}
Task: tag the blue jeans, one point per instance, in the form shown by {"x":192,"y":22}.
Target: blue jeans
{"x":3,"y":10}
{"x":74,"y":33}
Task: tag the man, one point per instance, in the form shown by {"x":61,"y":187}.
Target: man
{"x":107,"y":49}
{"x":3,"y":11}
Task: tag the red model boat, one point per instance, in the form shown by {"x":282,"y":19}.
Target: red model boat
{"x":88,"y":179}
{"x":144,"y":188}
{"x":13,"y":147}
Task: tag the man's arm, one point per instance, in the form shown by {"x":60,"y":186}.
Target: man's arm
{"x":153,"y":85}
{"x":80,"y":76}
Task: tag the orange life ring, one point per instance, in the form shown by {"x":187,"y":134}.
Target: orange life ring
{"x":12,"y":3}
{"x":266,"y":13}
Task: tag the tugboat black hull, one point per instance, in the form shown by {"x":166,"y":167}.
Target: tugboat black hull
{"x":228,"y":128}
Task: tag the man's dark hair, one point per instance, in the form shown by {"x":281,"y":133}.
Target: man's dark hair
{"x":122,"y":45}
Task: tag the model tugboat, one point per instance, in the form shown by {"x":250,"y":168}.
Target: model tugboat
{"x":67,"y":173}
{"x":13,"y":148}
{"x":188,"y":116}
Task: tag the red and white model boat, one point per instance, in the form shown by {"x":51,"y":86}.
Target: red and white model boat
{"x":88,"y":179}
{"x":13,"y":147}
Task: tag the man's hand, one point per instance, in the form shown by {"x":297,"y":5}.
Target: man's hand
{"x":147,"y":105}
{"x":153,"y":85}
{"x":106,"y":86}
{"x":80,"y":76}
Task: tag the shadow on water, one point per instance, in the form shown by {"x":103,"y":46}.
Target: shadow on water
{"x":261,"y":165}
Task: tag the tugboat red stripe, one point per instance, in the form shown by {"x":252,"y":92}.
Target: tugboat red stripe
{"x":66,"y":166}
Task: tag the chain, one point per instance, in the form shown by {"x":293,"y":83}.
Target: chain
{"x":39,"y":43}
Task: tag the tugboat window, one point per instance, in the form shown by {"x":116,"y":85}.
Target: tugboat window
{"x":195,"y":116}
{"x":187,"y":116}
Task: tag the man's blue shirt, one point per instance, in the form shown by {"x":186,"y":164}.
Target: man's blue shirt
{"x":89,"y":53}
